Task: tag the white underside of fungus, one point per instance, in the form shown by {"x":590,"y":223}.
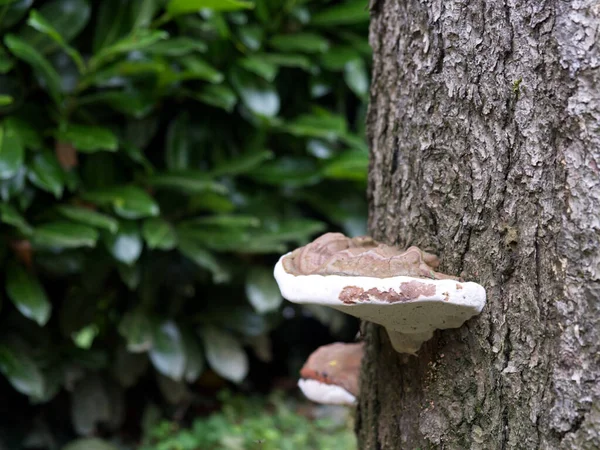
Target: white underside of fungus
{"x":409,"y":308}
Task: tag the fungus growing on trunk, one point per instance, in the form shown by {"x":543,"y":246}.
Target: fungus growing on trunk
{"x":382,"y":284}
{"x":330,"y":374}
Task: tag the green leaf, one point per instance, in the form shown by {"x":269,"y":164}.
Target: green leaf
{"x":89,"y":217}
{"x":321,"y":124}
{"x":345,"y":13}
{"x":356,"y":77}
{"x":22,"y":371}
{"x":29,"y":135}
{"x":217,"y":95}
{"x":168,"y":352}
{"x":350,"y":165}
{"x":195,"y":68}
{"x":45,"y":172}
{"x":125,"y":246}
{"x":13,"y":12}
{"x":224,"y":354}
{"x":298,"y":230}
{"x":225,"y":221}
{"x":177,"y":46}
{"x":89,"y":444}
{"x":300,"y":42}
{"x":129,"y":202}
{"x":38,"y":22}
{"x":194,"y":364}
{"x":57,"y":23}
{"x":137,"y":329}
{"x":242,"y":163}
{"x":40,"y":65}
{"x":337,"y":58}
{"x":158,"y":233}
{"x":89,"y":139}
{"x":27,"y":294}
{"x":130,"y":102}
{"x":287,"y":171}
{"x":258,"y":96}
{"x":260,"y":66}
{"x":178,"y":147}
{"x":286,"y":60}
{"x":204,"y":259}
{"x":11,"y":216}
{"x":11,"y":151}
{"x":262,"y":290}
{"x":178,"y":7}
{"x":65,"y":235}
{"x":6,"y":62}
{"x":138,"y":39}
{"x":189,"y":182}
{"x":6,"y":100}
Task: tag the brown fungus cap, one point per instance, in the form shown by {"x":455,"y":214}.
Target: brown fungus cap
{"x":336,"y":254}
{"x":336,"y":364}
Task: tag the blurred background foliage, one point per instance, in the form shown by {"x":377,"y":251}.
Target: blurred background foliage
{"x":156,"y":157}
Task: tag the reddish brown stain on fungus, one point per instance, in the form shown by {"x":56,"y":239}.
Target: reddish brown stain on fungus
{"x":458,"y":286}
{"x":410,"y":290}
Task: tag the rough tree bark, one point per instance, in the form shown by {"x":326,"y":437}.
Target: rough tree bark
{"x":484,"y":130}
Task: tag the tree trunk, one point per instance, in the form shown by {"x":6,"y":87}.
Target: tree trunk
{"x":484,"y":128}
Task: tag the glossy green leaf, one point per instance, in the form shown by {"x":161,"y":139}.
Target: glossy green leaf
{"x":286,"y":60}
{"x":129,"y":202}
{"x":21,"y":370}
{"x":177,"y":46}
{"x":337,"y":58}
{"x":217,"y":95}
{"x":27,"y":294}
{"x":45,"y":173}
{"x":178,"y":7}
{"x":350,"y":165}
{"x":168,"y":351}
{"x":225,"y":221}
{"x":12,"y":12}
{"x":242,"y":163}
{"x":89,"y":217}
{"x":344,"y":13}
{"x":39,"y":23}
{"x":137,"y":329}
{"x":138,"y":39}
{"x":357,"y":79}
{"x":260,"y":66}
{"x":29,"y":135}
{"x":204,"y":259}
{"x":300,"y":42}
{"x":194,"y":364}
{"x":89,"y":139}
{"x":130,"y":102}
{"x":178,"y":146}
{"x":38,"y":62}
{"x":6,"y":100}
{"x":287,"y":171}
{"x":11,"y":151}
{"x":262,"y":290}
{"x":65,"y":235}
{"x":6,"y":62}
{"x":196,"y":68}
{"x":321,"y":124}
{"x":190,"y":182}
{"x":258,"y":96}
{"x":159,"y":234}
{"x":224,"y":354}
{"x":10,"y":216}
{"x":56,"y":23}
{"x":126,"y":245}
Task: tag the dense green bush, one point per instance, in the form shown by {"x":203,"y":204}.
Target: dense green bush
{"x":154,"y":161}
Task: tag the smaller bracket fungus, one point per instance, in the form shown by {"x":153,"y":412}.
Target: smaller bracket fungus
{"x":382,"y":284}
{"x":330,"y":374}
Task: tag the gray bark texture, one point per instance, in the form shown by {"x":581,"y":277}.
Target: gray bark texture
{"x":484,"y":128}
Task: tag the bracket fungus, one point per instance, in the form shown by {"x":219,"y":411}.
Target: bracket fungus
{"x":382,"y":284}
{"x":330,"y":374}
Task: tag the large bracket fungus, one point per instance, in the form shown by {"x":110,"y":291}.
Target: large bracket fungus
{"x":382,"y":284}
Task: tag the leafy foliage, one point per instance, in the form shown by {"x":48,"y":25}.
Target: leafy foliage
{"x":155,"y":158}
{"x":252,"y":423}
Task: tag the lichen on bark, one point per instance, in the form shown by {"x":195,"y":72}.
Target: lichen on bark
{"x":504,"y":185}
